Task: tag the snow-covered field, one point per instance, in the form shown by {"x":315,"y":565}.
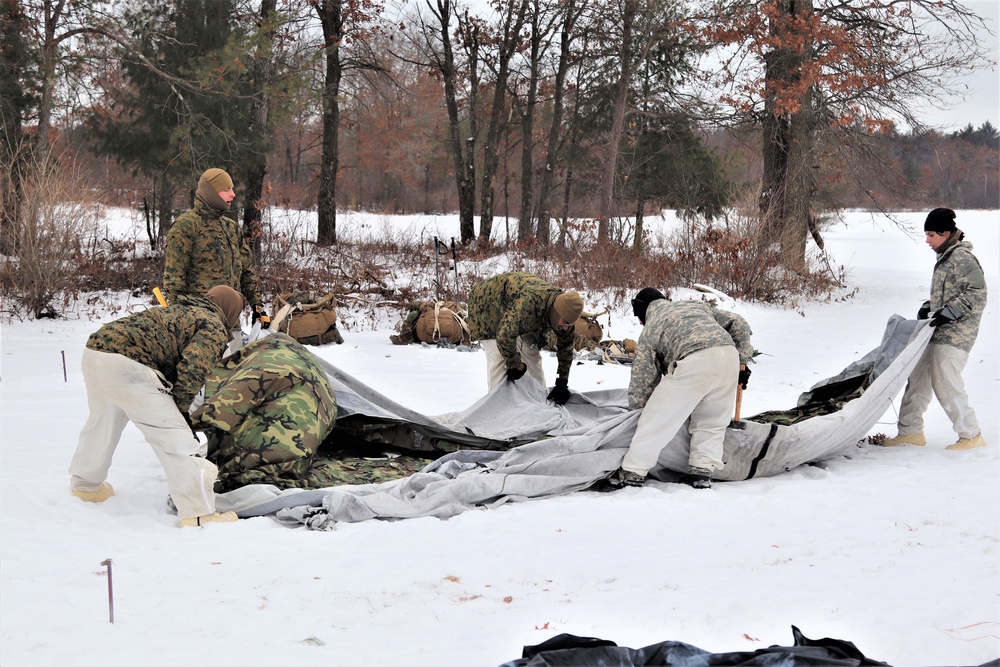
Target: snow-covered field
{"x":895,"y":550}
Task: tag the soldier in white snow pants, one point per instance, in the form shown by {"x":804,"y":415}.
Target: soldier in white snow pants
{"x":496,"y":365}
{"x":938,"y":373}
{"x":702,"y":386}
{"x":120,"y":390}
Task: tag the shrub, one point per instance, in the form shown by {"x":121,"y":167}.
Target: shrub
{"x":43,"y":238}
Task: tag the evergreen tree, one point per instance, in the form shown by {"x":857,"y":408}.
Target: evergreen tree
{"x":181,"y":104}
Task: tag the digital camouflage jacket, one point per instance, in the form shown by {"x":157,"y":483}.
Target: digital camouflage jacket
{"x":182,"y":342}
{"x":510,"y":305}
{"x":267,"y":408}
{"x":958,"y":281}
{"x":675,"y":329}
{"x":205,"y":249}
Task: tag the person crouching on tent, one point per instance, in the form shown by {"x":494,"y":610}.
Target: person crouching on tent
{"x":146,"y":368}
{"x":687,"y":364}
{"x":958,"y":299}
{"x":268,"y":408}
{"x":510,"y":314}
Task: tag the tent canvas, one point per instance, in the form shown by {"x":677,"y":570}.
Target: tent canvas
{"x":573,"y":446}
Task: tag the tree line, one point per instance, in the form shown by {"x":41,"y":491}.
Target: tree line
{"x":533,"y":112}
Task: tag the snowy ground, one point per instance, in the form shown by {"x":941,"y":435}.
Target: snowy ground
{"x":895,"y":550}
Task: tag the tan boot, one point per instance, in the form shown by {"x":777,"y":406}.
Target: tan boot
{"x":915,"y":439}
{"x":225,"y":517}
{"x":968,"y":443}
{"x":99,"y":495}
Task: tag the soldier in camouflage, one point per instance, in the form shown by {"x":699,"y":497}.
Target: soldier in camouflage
{"x":510,"y":314}
{"x":958,"y":298}
{"x":688,"y":362}
{"x":147,"y":368}
{"x":206,"y":248}
{"x":268,"y":407}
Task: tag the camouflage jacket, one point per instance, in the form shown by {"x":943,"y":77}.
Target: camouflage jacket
{"x":182,"y":342}
{"x":675,"y":329}
{"x":958,"y":281}
{"x":268,"y":408}
{"x":510,"y":305}
{"x":205,"y":249}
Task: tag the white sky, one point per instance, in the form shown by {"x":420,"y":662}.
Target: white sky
{"x":982,"y":101}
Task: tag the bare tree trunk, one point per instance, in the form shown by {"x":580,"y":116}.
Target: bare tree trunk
{"x":617,"y":125}
{"x":524,"y":226}
{"x":547,"y":184}
{"x":786,"y":183}
{"x":507,"y":47}
{"x":53,"y":12}
{"x":333,"y":25}
{"x":465,"y":167}
{"x":262,"y":71}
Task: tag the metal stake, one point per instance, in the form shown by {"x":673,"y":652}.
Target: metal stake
{"x":111,"y":593}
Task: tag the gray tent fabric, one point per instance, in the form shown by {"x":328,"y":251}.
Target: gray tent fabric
{"x":584,"y":441}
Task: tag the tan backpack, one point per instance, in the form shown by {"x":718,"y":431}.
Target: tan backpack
{"x":312,"y":319}
{"x":439,"y":323}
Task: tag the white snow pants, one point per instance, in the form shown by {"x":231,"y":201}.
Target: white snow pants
{"x":702,"y":386}
{"x":939,"y":371}
{"x":496,"y":367}
{"x":120,"y":390}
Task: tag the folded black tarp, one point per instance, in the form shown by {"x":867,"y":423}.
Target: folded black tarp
{"x":571,"y":651}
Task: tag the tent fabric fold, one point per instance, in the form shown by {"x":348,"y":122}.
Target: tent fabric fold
{"x":570,"y":448}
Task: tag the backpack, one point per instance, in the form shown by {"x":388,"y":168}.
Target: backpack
{"x":312,"y":320}
{"x":439,"y":323}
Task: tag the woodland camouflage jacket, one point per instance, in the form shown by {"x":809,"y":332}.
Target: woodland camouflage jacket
{"x":205,"y":249}
{"x":958,"y":281}
{"x":510,"y":305}
{"x":675,"y":329}
{"x":268,"y":407}
{"x":182,"y":342}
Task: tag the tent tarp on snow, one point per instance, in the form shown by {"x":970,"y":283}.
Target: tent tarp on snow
{"x":573,"y":446}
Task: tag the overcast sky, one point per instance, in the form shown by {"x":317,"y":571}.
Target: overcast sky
{"x":982,"y":101}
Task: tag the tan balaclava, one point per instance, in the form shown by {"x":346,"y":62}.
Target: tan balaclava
{"x":211,"y":183}
{"x":229,"y":301}
{"x":568,"y":306}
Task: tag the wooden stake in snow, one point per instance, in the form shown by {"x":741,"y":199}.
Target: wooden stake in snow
{"x":111,"y":593}
{"x":63,"y":353}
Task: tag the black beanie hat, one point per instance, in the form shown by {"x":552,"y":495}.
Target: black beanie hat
{"x":940,"y":220}
{"x":640,"y":303}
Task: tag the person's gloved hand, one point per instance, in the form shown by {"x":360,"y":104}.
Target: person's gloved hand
{"x":560,"y":393}
{"x":516,"y":373}
{"x":944,"y":316}
{"x":744,"y":376}
{"x":925,"y":311}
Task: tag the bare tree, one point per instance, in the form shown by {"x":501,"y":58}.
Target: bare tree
{"x":506,"y":38}
{"x":846,"y":71}
{"x":345,"y":23}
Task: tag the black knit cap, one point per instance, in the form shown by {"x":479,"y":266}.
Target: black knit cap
{"x":640,"y":303}
{"x":940,"y":220}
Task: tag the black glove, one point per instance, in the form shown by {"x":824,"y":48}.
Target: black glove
{"x":516,"y":373}
{"x":744,"y":376}
{"x":925,"y":311}
{"x":945,"y":315}
{"x":560,"y":394}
